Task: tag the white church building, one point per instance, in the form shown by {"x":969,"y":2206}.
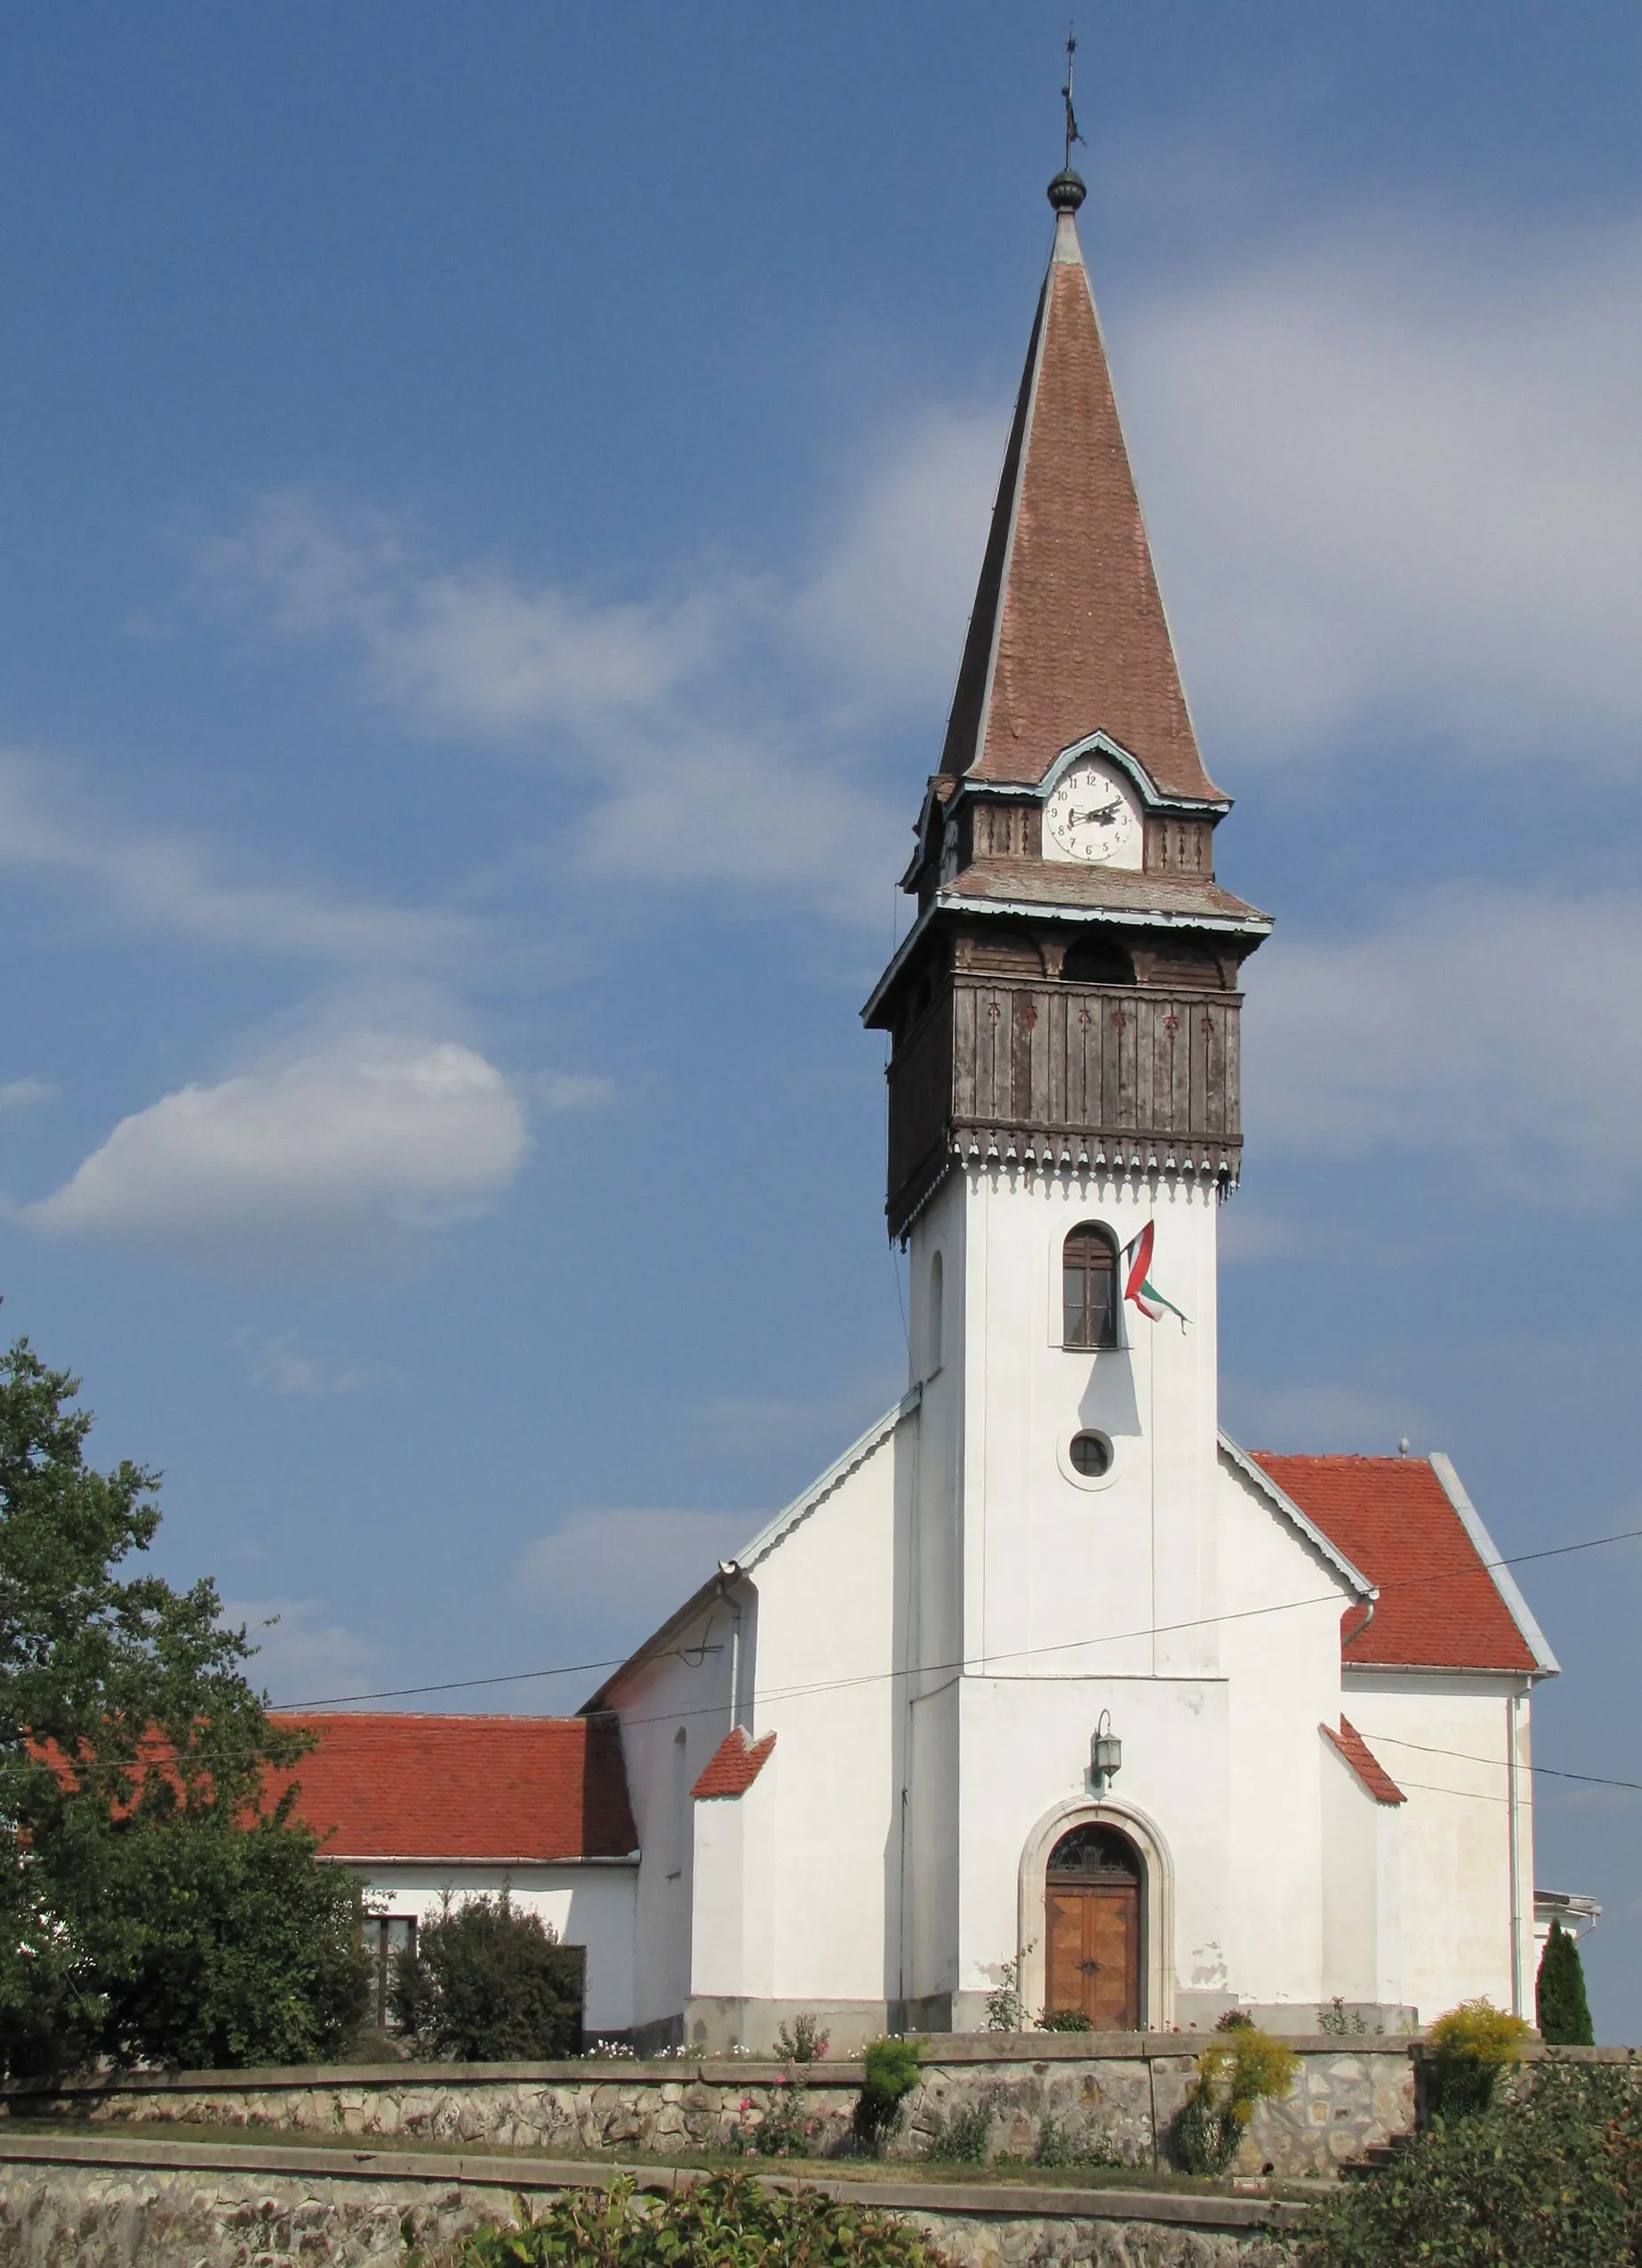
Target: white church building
{"x":1046,"y":1681}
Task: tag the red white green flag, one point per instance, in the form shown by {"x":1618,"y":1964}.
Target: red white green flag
{"x":1138,"y":1285}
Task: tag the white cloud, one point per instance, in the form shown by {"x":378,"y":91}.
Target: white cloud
{"x":361,"y":1139}
{"x":279,"y":1363}
{"x":1455,"y":1028}
{"x":626,"y":1571}
{"x":718,"y":733}
{"x":888,"y":601}
{"x":17,"y":1095}
{"x":559,"y":1091}
{"x":144,"y":878}
{"x":475,"y":649}
{"x":303,"y":1655}
{"x":1395,"y":473}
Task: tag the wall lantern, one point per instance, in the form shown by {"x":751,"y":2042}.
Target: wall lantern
{"x":1105,"y":1754}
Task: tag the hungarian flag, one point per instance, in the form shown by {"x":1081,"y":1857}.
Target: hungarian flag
{"x":1138,"y":1285}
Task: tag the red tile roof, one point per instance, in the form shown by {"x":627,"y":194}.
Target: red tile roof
{"x":734,"y":1765}
{"x":1439,"y":1607}
{"x":1363,"y":1763}
{"x":1068,"y":635}
{"x":501,"y":1788}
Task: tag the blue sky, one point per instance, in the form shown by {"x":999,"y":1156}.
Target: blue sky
{"x":491,"y":503}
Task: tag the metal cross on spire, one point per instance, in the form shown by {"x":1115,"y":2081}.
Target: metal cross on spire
{"x":1072,"y":133}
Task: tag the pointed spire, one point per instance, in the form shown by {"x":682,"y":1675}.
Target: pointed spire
{"x":1067,"y":635}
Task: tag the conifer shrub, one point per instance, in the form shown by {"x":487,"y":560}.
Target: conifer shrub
{"x":1239,"y":2068}
{"x":1466,"y":2051}
{"x":1560,"y":2005}
{"x":487,"y":1981}
{"x":891,"y":2067}
{"x":730,"y":2220}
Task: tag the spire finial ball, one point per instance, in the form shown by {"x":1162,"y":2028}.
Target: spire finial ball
{"x":1067,"y":191}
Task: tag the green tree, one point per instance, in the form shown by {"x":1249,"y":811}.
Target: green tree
{"x":489,"y":1982}
{"x":1560,"y":2005}
{"x":152,"y":1908}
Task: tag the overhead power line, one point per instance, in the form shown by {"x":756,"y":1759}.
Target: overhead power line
{"x":935,"y":1669}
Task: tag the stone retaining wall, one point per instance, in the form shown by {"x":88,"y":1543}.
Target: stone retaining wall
{"x":1114,"y":2094}
{"x":269,"y":2210}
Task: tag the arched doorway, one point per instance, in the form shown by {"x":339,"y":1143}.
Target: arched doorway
{"x":1093,"y":1927}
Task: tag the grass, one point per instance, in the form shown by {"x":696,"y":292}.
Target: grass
{"x":1001,"y":2171}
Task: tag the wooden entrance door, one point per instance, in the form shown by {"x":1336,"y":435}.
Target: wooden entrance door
{"x":1092,"y":1929}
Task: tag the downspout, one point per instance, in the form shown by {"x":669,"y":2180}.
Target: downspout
{"x":1512,"y":1705}
{"x":728,"y":1573}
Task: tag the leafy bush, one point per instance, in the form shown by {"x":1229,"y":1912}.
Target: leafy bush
{"x":1552,"y":2178}
{"x":1237,"y":2068}
{"x":246,"y":1951}
{"x":1064,"y":2020}
{"x":1340,"y":2022}
{"x":1560,"y":2003}
{"x":963,"y":2137}
{"x":1005,"y":2009}
{"x":806,"y":2042}
{"x":730,"y":2221}
{"x":1057,"y":2146}
{"x":1468,"y":2049}
{"x":487,"y":1983}
{"x":780,"y":2130}
{"x":891,"y":2069}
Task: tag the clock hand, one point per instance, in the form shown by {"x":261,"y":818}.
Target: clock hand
{"x":1102,"y":811}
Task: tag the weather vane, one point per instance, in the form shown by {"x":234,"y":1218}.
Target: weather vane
{"x":1072,"y":133}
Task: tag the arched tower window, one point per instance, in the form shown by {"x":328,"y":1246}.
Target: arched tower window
{"x":1089,"y":1287}
{"x":935,"y":1321}
{"x":1097,"y":960}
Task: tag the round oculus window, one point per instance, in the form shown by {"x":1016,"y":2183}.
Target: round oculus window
{"x":1091,"y":1455}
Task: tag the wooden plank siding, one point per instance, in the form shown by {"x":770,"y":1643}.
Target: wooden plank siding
{"x":1003,"y":1063}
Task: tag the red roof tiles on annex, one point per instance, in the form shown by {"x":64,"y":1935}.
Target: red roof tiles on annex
{"x":1391,"y":1517}
{"x":437,"y":1788}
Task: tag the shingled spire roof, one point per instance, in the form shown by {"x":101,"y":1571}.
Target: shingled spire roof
{"x":1067,"y":635}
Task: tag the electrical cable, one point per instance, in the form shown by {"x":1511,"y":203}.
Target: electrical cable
{"x":934,"y":1668}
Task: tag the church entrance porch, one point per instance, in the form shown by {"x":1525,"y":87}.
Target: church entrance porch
{"x":1091,"y":1932}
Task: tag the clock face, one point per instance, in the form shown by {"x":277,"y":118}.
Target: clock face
{"x":1092,"y":818}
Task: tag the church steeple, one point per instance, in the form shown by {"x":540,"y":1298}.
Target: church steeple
{"x":1067,"y":635}
{"x":1066,"y":1002}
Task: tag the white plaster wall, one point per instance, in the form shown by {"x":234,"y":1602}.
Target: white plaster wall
{"x":1281,"y":1647}
{"x":591,"y":1904}
{"x":932,"y":1640}
{"x":1351,"y":1883}
{"x":1455,"y":1834}
{"x":1059,"y":1577}
{"x":1026,"y":1752}
{"x":686,"y":1690}
{"x":1069,"y":1598}
{"x":823,"y":1830}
